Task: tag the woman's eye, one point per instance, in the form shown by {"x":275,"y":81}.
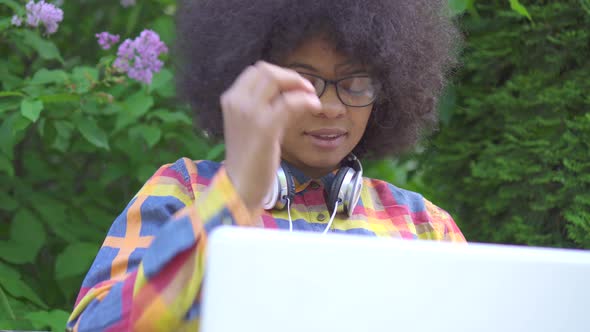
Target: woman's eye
{"x":316,"y":82}
{"x":311,"y":79}
{"x":356,"y":85}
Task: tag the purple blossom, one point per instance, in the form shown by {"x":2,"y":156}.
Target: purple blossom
{"x":127,"y":3}
{"x":139,"y":57}
{"x":106,"y":40}
{"x":45,"y":13}
{"x":16,"y":21}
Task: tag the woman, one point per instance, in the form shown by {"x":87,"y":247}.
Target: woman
{"x":298,"y":90}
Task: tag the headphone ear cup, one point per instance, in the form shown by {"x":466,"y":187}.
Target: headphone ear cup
{"x":290,"y":185}
{"x":335,"y":188}
{"x":272,"y":196}
{"x":283,"y":188}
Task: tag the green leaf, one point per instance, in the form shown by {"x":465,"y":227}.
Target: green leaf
{"x":447,"y":105}
{"x":92,"y":132}
{"x":15,"y":325}
{"x":458,"y":6}
{"x":31,"y":109}
{"x":84,"y":78}
{"x":7,"y":203}
{"x":9,"y":104}
{"x":150,"y":134}
{"x":519,"y":8}
{"x":6,"y":167}
{"x":55,"y":319}
{"x":133,"y":18}
{"x":162,"y":83}
{"x":216,"y":152}
{"x":170,"y":117}
{"x":6,"y":271}
{"x":44,"y":76}
{"x":144,"y":172}
{"x":64,"y":134}
{"x":14,"y":5}
{"x":164,"y":26}
{"x":11,"y":94}
{"x":134,"y":108}
{"x":53,"y":213}
{"x":59,"y":98}
{"x":27,"y":228}
{"x":75,"y":259}
{"x":12,"y":283}
{"x":5,"y":305}
{"x":28,"y":233}
{"x":5,"y":23}
{"x":9,"y":128}
{"x":46,"y":49}
{"x":8,"y":79}
{"x":18,"y":288}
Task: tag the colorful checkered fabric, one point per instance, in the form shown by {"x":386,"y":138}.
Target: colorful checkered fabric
{"x":147,"y":275}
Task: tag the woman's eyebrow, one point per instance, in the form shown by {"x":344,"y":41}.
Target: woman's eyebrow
{"x":302,"y":65}
{"x":351,"y":69}
{"x":347,"y":68}
{"x":354,"y":71}
{"x":348,"y":65}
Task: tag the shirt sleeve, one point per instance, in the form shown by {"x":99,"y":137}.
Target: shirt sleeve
{"x":446,"y":228}
{"x":148,"y":273}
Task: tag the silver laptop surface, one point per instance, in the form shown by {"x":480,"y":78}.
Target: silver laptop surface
{"x":270,"y":281}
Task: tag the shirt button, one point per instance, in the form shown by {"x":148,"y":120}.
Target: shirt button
{"x":321,"y":217}
{"x":314,"y":185}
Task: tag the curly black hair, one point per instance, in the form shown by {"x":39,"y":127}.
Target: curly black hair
{"x":409,"y":46}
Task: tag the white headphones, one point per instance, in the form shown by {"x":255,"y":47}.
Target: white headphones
{"x":343,"y":194}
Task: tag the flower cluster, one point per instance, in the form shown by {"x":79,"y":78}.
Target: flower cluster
{"x":16,"y":21}
{"x":106,"y":40}
{"x":41,"y":12}
{"x":127,"y":3}
{"x":139,"y":57}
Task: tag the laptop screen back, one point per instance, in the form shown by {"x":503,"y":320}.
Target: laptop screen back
{"x":268,"y":281}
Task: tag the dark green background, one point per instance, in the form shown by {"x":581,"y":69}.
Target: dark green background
{"x":510,"y":161}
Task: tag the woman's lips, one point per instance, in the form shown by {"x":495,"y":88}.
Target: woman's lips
{"x":327,"y":138}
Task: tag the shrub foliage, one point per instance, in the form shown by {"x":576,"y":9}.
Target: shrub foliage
{"x":513,"y":161}
{"x":78,"y":139}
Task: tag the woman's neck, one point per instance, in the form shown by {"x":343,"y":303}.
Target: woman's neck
{"x":311,"y":172}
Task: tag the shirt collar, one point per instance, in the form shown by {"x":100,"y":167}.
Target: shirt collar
{"x":302,"y":181}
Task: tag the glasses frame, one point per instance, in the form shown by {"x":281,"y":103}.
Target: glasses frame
{"x":335,"y":83}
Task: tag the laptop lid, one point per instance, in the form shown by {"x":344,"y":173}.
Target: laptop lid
{"x":268,"y":281}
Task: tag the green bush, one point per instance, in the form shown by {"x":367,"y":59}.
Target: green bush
{"x":77,"y":140}
{"x":513,"y":161}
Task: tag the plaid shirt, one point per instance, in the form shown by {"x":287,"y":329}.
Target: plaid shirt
{"x":147,"y":275}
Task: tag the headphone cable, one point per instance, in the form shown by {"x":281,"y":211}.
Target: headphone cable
{"x":329,"y":223}
{"x":289,"y":212}
{"x":331,"y":218}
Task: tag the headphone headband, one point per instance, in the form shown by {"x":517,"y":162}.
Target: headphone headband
{"x":343,"y":194}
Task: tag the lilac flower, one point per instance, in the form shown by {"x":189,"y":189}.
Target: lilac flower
{"x":139,"y":57}
{"x":127,"y":3}
{"x":106,"y":40}
{"x":45,"y":13}
{"x":16,"y":21}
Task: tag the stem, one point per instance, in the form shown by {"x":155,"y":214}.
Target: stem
{"x":4,"y":303}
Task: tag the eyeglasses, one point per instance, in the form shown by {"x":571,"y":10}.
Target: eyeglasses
{"x":353,"y":91}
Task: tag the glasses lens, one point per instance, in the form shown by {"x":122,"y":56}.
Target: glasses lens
{"x":317,"y":83}
{"x":357,"y":91}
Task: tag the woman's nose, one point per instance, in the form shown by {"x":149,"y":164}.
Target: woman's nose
{"x":332,"y":107}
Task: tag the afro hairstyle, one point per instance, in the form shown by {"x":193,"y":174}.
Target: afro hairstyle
{"x":408,"y":46}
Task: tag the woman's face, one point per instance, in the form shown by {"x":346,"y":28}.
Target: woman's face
{"x":317,"y":141}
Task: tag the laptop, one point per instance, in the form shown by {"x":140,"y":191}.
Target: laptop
{"x":270,"y":280}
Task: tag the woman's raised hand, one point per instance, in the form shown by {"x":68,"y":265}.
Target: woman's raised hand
{"x":256,"y":110}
